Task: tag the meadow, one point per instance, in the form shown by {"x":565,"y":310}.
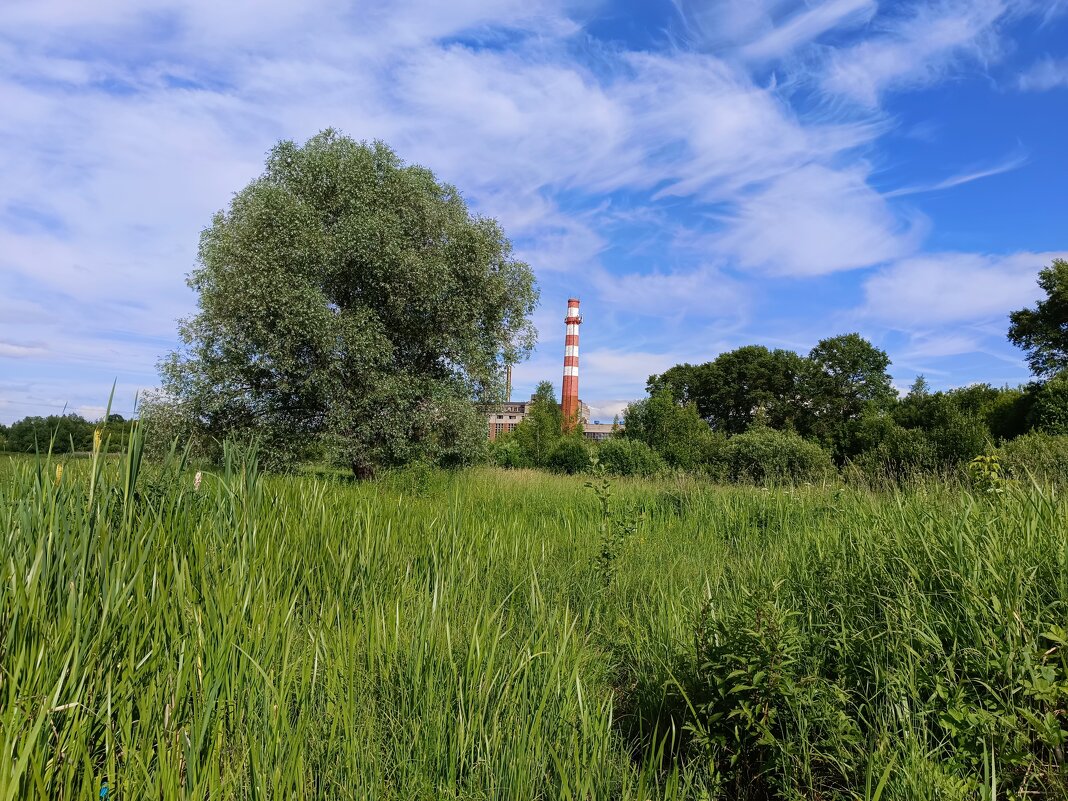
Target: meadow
{"x":494,"y":634}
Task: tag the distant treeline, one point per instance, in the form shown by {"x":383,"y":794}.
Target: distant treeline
{"x":64,"y":433}
{"x":754,"y":414}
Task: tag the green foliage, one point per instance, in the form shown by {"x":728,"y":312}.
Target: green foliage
{"x":1043,"y":330}
{"x":351,"y":305}
{"x":1049,"y":408}
{"x":1038,"y":455}
{"x":771,"y":726}
{"x":1009,"y":414}
{"x":846,"y":377}
{"x":819,"y":396}
{"x":538,"y":433}
{"x":764,"y":455}
{"x":622,"y":456}
{"x":886,"y":451}
{"x":952,"y":423}
{"x":955,"y":436}
{"x":62,"y":433}
{"x":570,"y":455}
{"x":731,"y":391}
{"x":987,"y":475}
{"x":616,"y":528}
{"x":675,"y":431}
{"x":493,"y":634}
{"x":505,"y":452}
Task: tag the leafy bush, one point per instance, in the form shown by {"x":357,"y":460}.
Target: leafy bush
{"x":629,"y":457}
{"x":763,"y":455}
{"x":1049,"y":413}
{"x":758,"y":688}
{"x":957,"y":438}
{"x":884,"y":450}
{"x":673,"y":430}
{"x":1044,"y":456}
{"x":713,"y":455}
{"x":506,"y":452}
{"x":571,"y":455}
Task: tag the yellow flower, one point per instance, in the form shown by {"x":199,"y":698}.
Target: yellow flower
{"x":59,"y":473}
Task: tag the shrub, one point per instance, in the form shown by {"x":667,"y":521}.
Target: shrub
{"x":1049,"y":413}
{"x":506,"y":452}
{"x":675,"y":431}
{"x":571,"y":455}
{"x":884,"y":450}
{"x":629,"y":457}
{"x":713,"y":454}
{"x":1044,"y":456}
{"x":773,"y":726}
{"x":763,"y":455}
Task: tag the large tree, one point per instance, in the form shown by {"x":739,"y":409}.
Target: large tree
{"x":1043,"y":330}
{"x":845,"y":377}
{"x":352,"y":302}
{"x":739,"y":387}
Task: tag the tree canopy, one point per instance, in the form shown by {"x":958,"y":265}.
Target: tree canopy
{"x":352,"y":304}
{"x":540,"y":431}
{"x":738,"y":386}
{"x":1043,"y":330}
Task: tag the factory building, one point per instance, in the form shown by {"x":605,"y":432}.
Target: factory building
{"x":508,"y":415}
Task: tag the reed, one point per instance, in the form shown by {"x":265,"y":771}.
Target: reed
{"x":452,"y":635}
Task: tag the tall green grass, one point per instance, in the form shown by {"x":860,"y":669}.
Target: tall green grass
{"x":515,"y":635}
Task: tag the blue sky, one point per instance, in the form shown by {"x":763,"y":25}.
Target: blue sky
{"x":703,"y":175}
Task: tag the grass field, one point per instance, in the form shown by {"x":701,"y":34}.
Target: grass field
{"x":515,"y":635}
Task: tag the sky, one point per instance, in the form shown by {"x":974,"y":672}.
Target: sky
{"x":702,"y":175}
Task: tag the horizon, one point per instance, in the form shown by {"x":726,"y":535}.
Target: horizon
{"x":702,"y":175}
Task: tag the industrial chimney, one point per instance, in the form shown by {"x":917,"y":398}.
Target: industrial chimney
{"x":569,"y":402}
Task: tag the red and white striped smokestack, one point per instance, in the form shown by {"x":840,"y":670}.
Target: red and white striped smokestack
{"x":569,"y":401}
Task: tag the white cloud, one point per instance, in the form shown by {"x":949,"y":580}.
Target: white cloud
{"x":1007,"y":164}
{"x":927,"y":345}
{"x":1046,"y":74}
{"x":916,"y":48}
{"x":13,"y":350}
{"x":705,"y":292}
{"x":809,"y":24}
{"x":765,"y":29}
{"x":606,"y":410}
{"x":953,"y":288}
{"x":816,"y":220}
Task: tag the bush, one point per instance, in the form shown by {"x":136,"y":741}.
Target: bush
{"x":506,"y":452}
{"x":629,"y":457}
{"x":571,"y":455}
{"x":1044,"y":456}
{"x":764,"y":710}
{"x":883,"y":450}
{"x":763,"y":455}
{"x":1049,"y":413}
{"x":673,"y":430}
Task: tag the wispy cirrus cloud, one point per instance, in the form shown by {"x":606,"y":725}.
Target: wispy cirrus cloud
{"x":1048,"y":73}
{"x":916,"y":47}
{"x":672,"y":181}
{"x":976,"y":173}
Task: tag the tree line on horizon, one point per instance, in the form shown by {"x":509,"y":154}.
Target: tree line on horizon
{"x":60,"y":433}
{"x":754,"y":413}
